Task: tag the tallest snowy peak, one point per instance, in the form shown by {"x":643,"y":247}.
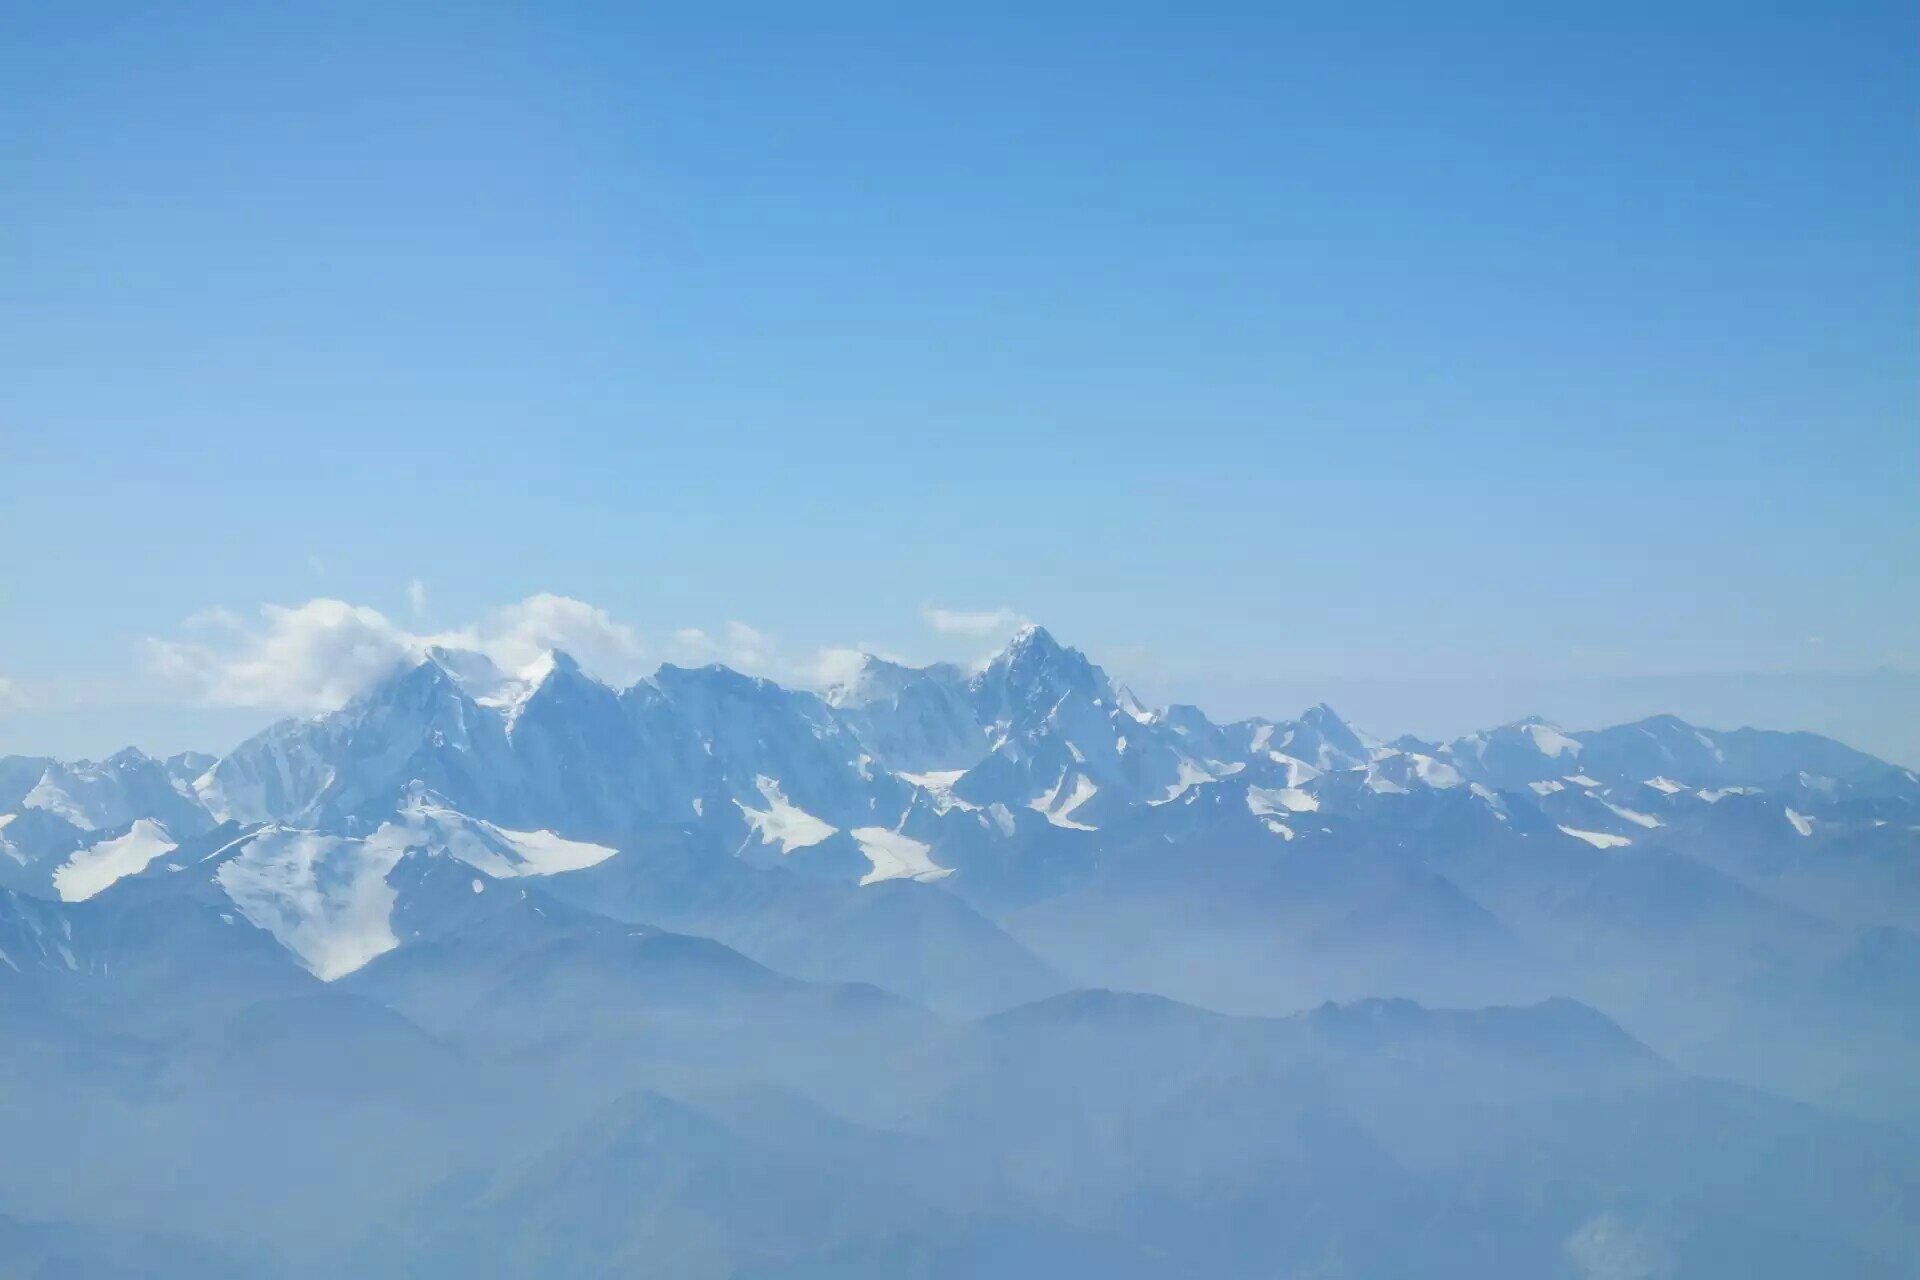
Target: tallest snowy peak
{"x":1032,"y":637}
{"x":1033,"y":649}
{"x":1032,"y":675}
{"x":1033,"y":653}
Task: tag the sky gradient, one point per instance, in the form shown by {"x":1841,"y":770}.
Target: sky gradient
{"x":1441,"y":361}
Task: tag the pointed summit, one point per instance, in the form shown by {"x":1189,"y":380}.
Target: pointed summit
{"x":554,"y":662}
{"x":1033,"y":650}
{"x":1334,"y":729}
{"x":1031,"y":637}
{"x":1322,"y":739}
{"x":1034,"y":662}
{"x":1035,"y":679}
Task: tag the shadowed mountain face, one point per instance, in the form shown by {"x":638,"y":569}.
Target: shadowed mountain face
{"x":512,"y":973}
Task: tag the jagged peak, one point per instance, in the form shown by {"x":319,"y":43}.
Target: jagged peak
{"x":551,"y":672}
{"x":417,"y":680}
{"x":129,"y":757}
{"x":1035,"y":663}
{"x":1031,"y":637}
{"x":1331,"y":725}
{"x":1131,"y":704}
{"x":1033,"y":648}
{"x":554,"y":662}
{"x":480,"y":678}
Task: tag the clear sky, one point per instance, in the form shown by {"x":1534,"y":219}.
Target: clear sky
{"x":1450,"y":361}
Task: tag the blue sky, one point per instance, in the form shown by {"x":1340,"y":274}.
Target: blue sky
{"x":1444,"y":361}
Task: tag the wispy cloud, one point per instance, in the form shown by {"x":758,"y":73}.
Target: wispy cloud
{"x":315,"y":656}
{"x":417,"y":598}
{"x":964,"y":622}
{"x":304,"y":658}
{"x":747,"y":648}
{"x":11,"y":697}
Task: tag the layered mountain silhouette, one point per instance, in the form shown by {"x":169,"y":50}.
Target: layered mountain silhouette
{"x":950,"y":972}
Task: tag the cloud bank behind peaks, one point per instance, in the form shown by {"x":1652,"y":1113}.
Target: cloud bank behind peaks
{"x":317,"y":655}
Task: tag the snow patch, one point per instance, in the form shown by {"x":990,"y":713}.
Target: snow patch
{"x":1598,"y":839}
{"x":1057,"y":806}
{"x":1634,"y":816}
{"x":48,"y":795}
{"x":782,"y":822}
{"x":499,"y":852}
{"x":1801,"y":822}
{"x":1263,"y":801}
{"x":92,"y":869}
{"x":1549,"y":741}
{"x":895,"y":856}
{"x":1435,"y":773}
{"x":1492,"y":800}
{"x":324,"y":898}
{"x":541,"y":853}
{"x":939,"y":788}
{"x":1297,"y":771}
{"x":1190,"y":775}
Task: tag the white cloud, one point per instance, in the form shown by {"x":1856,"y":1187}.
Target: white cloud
{"x":315,"y":656}
{"x":738,"y":646}
{"x":834,"y":666}
{"x":747,"y":649}
{"x":417,"y":597}
{"x":306,"y":658}
{"x":11,"y":698}
{"x":517,"y":634}
{"x":962,"y":622}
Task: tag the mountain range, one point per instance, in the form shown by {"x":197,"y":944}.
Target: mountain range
{"x":725,"y":978}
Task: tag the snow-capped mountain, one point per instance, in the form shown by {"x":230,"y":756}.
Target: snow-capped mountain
{"x":470,"y":888}
{"x":91,"y":795}
{"x":1000,"y":784}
